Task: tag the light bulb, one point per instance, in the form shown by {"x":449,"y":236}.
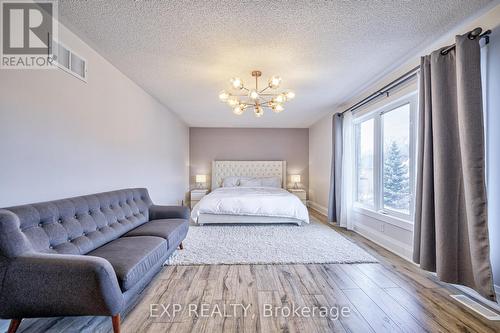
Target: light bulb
{"x":236,"y":83}
{"x":224,"y":95}
{"x":274,"y":82}
{"x":272,"y":104}
{"x":290,"y":95}
{"x":239,"y":109}
{"x":233,"y":101}
{"x":253,"y":94}
{"x":259,"y":111}
{"x":278,"y":108}
{"x":280,"y":98}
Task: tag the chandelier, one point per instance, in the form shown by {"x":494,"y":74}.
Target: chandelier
{"x":253,"y":98}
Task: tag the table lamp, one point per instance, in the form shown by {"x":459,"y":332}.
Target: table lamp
{"x":295,"y":179}
{"x":200,"y":180}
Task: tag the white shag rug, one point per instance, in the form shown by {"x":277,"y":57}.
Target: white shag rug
{"x":267,"y":244}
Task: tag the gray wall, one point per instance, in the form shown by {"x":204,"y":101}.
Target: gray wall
{"x":62,"y":137}
{"x":208,"y":144}
{"x":493,"y":147}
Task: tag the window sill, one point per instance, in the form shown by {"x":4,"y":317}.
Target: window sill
{"x":396,"y":221}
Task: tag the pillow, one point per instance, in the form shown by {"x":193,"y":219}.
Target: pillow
{"x":250,"y":182}
{"x":260,"y":182}
{"x":232,"y":181}
{"x":271,"y":182}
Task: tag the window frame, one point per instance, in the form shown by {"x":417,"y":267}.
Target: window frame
{"x":378,"y":211}
{"x":356,"y":149}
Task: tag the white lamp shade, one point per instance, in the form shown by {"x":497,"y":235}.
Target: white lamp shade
{"x":201,"y":178}
{"x":295,"y":178}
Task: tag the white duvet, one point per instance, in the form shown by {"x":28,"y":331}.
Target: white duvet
{"x":252,"y":201}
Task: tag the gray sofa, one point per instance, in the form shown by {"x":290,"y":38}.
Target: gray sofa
{"x":88,"y":255}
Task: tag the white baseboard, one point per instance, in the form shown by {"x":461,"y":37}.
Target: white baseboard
{"x":318,"y":208}
{"x":401,"y":249}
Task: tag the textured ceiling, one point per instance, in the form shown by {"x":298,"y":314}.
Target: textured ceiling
{"x":184,"y":52}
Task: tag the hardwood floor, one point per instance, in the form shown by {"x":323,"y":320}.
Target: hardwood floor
{"x":390,"y":296}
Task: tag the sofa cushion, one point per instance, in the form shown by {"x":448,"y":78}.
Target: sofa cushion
{"x":173,"y":230}
{"x":132,"y":257}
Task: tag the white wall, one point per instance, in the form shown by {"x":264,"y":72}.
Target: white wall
{"x":493,"y":151}
{"x":62,"y":137}
{"x":320,"y":158}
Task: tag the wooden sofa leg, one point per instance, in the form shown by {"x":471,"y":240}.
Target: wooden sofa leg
{"x":14,"y":325}
{"x":181,"y":246}
{"x":116,"y":323}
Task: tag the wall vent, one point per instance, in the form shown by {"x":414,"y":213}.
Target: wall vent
{"x":69,"y":61}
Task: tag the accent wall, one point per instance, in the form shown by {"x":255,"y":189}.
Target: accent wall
{"x":207,"y":144}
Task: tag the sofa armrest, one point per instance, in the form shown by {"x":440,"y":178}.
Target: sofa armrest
{"x":40,"y":285}
{"x":157,"y":212}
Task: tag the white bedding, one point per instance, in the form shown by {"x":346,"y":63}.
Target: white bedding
{"x":251,"y":201}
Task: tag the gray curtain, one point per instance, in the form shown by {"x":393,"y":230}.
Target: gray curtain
{"x":451,"y":227}
{"x":336,"y":170}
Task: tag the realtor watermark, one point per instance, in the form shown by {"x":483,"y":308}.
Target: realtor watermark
{"x":332,"y":312}
{"x":27,"y":31}
{"x":234,"y":310}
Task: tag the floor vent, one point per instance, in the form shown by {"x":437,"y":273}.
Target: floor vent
{"x":475,"y":306}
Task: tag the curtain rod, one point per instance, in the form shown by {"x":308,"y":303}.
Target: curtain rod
{"x":385,"y":90}
{"x":473,"y":34}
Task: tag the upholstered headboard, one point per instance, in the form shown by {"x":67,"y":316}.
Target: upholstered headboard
{"x":222,"y":169}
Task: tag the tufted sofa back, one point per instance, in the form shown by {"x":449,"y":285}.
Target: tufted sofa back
{"x":72,"y":226}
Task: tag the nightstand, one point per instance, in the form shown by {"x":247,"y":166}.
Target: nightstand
{"x":300,"y":193}
{"x":196,"y":196}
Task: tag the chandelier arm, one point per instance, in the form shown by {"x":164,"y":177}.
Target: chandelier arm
{"x":260,"y":92}
{"x":265,"y":102}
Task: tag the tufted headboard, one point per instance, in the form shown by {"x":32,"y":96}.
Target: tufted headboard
{"x":222,"y":169}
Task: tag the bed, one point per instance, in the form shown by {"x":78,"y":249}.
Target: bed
{"x":253,"y":192}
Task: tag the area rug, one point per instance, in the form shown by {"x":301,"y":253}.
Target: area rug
{"x":267,"y":244}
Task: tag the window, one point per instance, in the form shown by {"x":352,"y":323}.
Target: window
{"x":385,"y":145}
{"x":396,"y":159}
